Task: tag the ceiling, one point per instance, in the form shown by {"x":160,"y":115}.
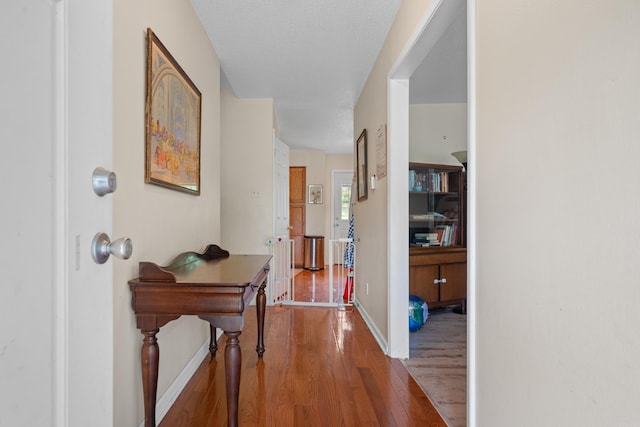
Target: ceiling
{"x":313,"y":58}
{"x":442,"y":75}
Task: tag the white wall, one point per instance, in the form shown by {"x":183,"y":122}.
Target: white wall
{"x":556,"y":180}
{"x":162,"y":223}
{"x":436,"y":131}
{"x":247,"y":174}
{"x":371,"y":215}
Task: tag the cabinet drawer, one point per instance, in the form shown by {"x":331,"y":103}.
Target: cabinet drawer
{"x":438,"y":257}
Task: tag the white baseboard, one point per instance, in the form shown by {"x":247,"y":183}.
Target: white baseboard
{"x":372,"y":326}
{"x":171,"y":395}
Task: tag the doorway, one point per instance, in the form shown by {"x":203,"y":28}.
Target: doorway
{"x":401,"y":84}
{"x":325,"y":286}
{"x":341,"y":181}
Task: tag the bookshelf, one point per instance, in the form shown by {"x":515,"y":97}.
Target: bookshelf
{"x":437,"y":238}
{"x":435,"y":206}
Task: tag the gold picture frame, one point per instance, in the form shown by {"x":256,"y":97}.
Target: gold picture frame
{"x":361,"y":165}
{"x":172,"y":122}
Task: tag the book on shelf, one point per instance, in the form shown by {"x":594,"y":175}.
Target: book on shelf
{"x":437,"y":182}
{"x":448,"y":234}
{"x":429,"y":216}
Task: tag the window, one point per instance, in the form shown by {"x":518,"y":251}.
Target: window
{"x":344,"y":202}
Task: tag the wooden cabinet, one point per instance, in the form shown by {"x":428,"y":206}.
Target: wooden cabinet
{"x":439,"y":276}
{"x":296,"y":233}
{"x":297,"y":211}
{"x":437,"y":253}
{"x":297,"y":184}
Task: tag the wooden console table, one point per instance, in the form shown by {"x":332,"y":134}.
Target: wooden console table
{"x":215,"y":286}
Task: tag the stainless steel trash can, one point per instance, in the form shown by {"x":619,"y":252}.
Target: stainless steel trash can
{"x":313,"y":252}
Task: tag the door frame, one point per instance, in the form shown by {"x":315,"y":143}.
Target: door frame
{"x":397,"y":195}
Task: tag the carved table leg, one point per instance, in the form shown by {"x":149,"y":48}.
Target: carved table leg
{"x":232,"y":365}
{"x":150,"y":356}
{"x":261,"y":302}
{"x":213,"y":342}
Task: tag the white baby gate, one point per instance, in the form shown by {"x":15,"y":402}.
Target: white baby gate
{"x":342,"y":282}
{"x":281,"y":287}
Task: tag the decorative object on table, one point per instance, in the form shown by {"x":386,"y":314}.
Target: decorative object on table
{"x":172,"y":122}
{"x":315,"y":194}
{"x":418,"y":313}
{"x":361,"y":166}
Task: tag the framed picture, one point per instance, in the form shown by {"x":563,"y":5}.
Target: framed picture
{"x":172,"y":122}
{"x":361,"y":164}
{"x":315,"y":194}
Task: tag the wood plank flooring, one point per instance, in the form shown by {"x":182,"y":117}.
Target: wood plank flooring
{"x":322,"y":367}
{"x":313,"y":286}
{"x":438,"y":362}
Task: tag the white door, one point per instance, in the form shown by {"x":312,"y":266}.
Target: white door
{"x":341,"y":198}
{"x":281,"y":188}
{"x":89,"y":329}
{"x":281,"y":280}
{"x":56,"y":304}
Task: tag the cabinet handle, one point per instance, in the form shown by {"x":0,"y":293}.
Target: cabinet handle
{"x":441,"y":281}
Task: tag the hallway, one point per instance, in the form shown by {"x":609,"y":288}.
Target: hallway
{"x":321,"y":367}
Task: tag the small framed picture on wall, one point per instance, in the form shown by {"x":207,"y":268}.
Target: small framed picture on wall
{"x":315,"y":194}
{"x":361,"y":164}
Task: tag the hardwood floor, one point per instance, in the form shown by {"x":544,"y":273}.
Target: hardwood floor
{"x":322,"y":367}
{"x":313,"y":286}
{"x":438,"y":362}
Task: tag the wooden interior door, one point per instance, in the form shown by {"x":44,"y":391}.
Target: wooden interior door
{"x":297,"y":211}
{"x":296,"y":216}
{"x":297,"y":184}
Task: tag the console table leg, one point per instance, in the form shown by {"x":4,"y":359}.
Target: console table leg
{"x":213,"y":342}
{"x":232,"y":365}
{"x":150,"y":356}
{"x":261,"y":302}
